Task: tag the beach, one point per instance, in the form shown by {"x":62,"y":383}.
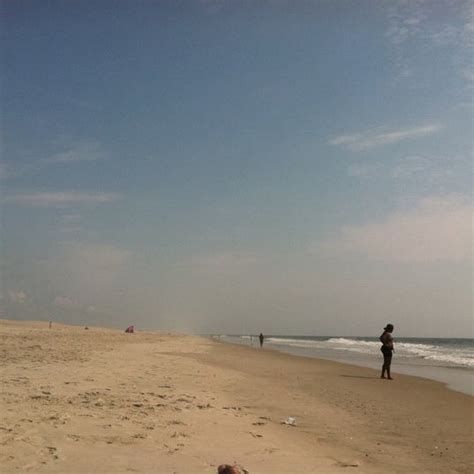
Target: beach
{"x":450,"y":361}
{"x":100,"y":400}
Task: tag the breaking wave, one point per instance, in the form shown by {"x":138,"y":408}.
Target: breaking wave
{"x":443,"y":352}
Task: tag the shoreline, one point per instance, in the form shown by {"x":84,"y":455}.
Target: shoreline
{"x":458,"y":379}
{"x":75,"y":400}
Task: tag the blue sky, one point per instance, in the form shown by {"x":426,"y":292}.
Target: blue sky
{"x":228,"y":166}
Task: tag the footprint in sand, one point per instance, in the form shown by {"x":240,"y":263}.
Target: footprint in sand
{"x":173,"y":450}
{"x":30,"y":466}
{"x":348,"y":463}
{"x":52,"y":451}
{"x":177,"y":434}
{"x":270,"y":450}
{"x":177,"y":422}
{"x":40,"y":397}
{"x":183,"y":400}
{"x":202,"y":407}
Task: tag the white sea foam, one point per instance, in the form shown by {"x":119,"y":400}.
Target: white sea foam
{"x":444,"y":355}
{"x":293,"y":342}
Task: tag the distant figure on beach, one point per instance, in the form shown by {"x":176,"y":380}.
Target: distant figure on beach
{"x":50,"y":324}
{"x":130,"y":329}
{"x":387,"y":348}
{"x":261,"y":338}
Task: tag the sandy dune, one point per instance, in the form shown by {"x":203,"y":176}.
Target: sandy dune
{"x":100,"y":400}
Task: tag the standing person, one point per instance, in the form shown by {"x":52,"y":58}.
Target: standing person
{"x":261,"y":339}
{"x":387,"y":348}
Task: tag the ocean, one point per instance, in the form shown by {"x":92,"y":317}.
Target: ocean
{"x":450,"y":361}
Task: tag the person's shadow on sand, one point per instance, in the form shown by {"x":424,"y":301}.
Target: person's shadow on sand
{"x":359,"y":376}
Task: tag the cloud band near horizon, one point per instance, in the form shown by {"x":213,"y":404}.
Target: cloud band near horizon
{"x":42,"y":198}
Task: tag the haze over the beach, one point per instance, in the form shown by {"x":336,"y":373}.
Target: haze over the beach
{"x":238,"y":166}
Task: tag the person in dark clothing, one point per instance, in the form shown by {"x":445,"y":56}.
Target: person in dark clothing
{"x":387,"y":349}
{"x":261,"y":339}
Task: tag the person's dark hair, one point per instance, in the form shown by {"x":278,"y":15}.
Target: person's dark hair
{"x":388,"y":327}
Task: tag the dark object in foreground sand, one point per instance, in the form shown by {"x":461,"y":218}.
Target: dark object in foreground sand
{"x":228,"y":469}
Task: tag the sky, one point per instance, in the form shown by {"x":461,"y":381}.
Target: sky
{"x":217,"y":166}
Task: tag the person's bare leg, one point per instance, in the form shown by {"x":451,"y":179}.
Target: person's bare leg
{"x":388,"y":374}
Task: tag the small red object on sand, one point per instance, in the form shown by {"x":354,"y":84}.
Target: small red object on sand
{"x":130,"y":329}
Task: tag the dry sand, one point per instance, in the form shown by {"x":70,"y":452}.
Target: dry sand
{"x":101,"y":400}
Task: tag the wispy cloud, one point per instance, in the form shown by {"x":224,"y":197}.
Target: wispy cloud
{"x":64,"y":302}
{"x":85,"y":273}
{"x":364,"y":170}
{"x":70,"y":223}
{"x":3,"y":170}
{"x":228,"y":262}
{"x":416,"y":24}
{"x":226,"y":259}
{"x":381,"y":136}
{"x":16,"y":296}
{"x":68,"y":218}
{"x":105,"y":257}
{"x":408,"y":167}
{"x":436,"y":229}
{"x":468,"y":73}
{"x":61,"y":198}
{"x":70,"y":229}
{"x":404,"y":25}
{"x":427,"y":175}
{"x":82,"y":151}
{"x":71,"y":152}
{"x":12,"y":170}
{"x":411,"y":167}
{"x":68,"y":303}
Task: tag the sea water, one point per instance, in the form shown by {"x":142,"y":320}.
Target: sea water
{"x":446,"y":360}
